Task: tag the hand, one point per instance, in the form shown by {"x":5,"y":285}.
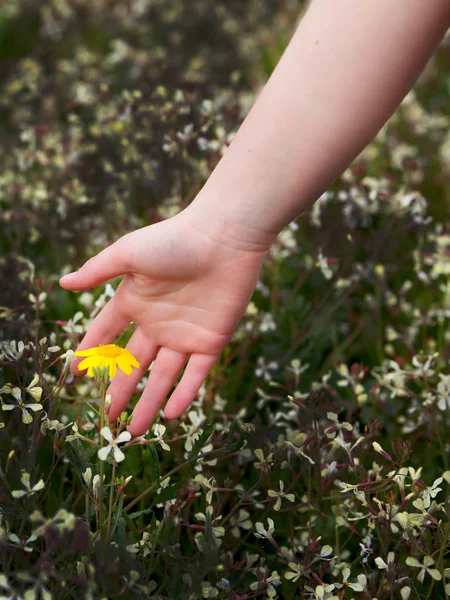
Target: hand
{"x":186,"y":288}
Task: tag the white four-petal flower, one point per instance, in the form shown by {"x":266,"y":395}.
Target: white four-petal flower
{"x":106,"y":432}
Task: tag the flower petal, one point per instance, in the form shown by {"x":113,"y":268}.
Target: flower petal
{"x":125,"y":436}
{"x":103,"y":452}
{"x":107,"y":433}
{"x":38,"y":486}
{"x":91,"y":361}
{"x":88,"y":352}
{"x":118,"y":454}
{"x":413,"y":562}
{"x":34,"y":407}
{"x":112,"y":367}
{"x":124,"y":364}
{"x":26,"y":417}
{"x":33,"y":382}
{"x":18,"y":493}
{"x":36,"y":392}
{"x":130,"y":358}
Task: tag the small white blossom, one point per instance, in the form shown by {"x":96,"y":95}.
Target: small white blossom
{"x":425,"y":567}
{"x":29,"y":490}
{"x":262,"y":532}
{"x":158,"y":431}
{"x":279,"y":495}
{"x":24,"y":407}
{"x":103,"y":453}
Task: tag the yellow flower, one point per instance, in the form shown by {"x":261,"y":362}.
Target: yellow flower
{"x":107,"y":355}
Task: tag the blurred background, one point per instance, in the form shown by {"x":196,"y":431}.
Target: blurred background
{"x":113,"y":113}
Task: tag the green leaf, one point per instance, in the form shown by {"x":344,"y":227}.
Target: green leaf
{"x":118,"y":514}
{"x":137,"y":514}
{"x":169,"y":493}
{"x":204,"y":436}
{"x":152,"y":460}
{"x":236,"y":438}
{"x":67,"y":504}
{"x":132,"y":526}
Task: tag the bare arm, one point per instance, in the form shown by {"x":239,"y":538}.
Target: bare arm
{"x":346,"y":69}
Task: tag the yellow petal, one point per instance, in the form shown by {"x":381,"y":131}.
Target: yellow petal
{"x":88,"y":352}
{"x":112,"y":367}
{"x":123,"y":364}
{"x":91,"y":361}
{"x":130,"y":359}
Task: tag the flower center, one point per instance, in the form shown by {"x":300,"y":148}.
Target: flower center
{"x":109,"y":350}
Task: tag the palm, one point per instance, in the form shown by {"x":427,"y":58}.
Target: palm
{"x":186,"y":295}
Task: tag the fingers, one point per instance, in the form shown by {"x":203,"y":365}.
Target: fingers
{"x":109,"y":263}
{"x":197,"y":370}
{"x":108,"y":324}
{"x":123,"y":386}
{"x":168,"y":365}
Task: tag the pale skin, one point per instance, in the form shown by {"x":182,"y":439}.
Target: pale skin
{"x":189,"y":279}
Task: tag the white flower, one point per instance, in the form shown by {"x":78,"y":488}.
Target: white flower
{"x":366,"y":548}
{"x":360,"y":586}
{"x":295,"y":573}
{"x":125,"y":436}
{"x":217,"y":530}
{"x":424,"y":568}
{"x":300,"y":452}
{"x":34,"y":390}
{"x":326,"y":551}
{"x":24,"y":545}
{"x":158,"y":431}
{"x":383,"y":565}
{"x":25,"y":479}
{"x":423,"y":368}
{"x":323,"y":264}
{"x":262,"y":532}
{"x":87,"y":476}
{"x":323,"y":592}
{"x":17,"y":395}
{"x":263,"y":369}
{"x":279,"y":495}
{"x":207,"y":484}
{"x":12,"y":350}
{"x":443,"y":393}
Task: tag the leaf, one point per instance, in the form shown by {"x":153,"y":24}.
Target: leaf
{"x":169,"y":493}
{"x":196,"y":448}
{"x":67,"y":504}
{"x":152,"y":459}
{"x":137,"y":514}
{"x":118,"y":514}
{"x":236,"y":438}
{"x":132,"y":526}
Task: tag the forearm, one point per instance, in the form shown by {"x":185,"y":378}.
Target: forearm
{"x":346,"y":69}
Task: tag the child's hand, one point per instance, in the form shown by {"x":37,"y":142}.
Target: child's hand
{"x":186,"y":288}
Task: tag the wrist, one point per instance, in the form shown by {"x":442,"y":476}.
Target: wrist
{"x":224,"y":226}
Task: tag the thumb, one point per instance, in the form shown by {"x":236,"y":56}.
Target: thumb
{"x":110,"y":262}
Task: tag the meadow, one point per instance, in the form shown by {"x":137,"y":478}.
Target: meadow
{"x":315,"y":462}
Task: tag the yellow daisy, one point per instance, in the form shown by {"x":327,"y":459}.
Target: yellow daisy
{"x":107,"y":355}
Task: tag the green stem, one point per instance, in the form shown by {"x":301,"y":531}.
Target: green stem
{"x":111,"y":497}
{"x":438,"y":567}
{"x":102,"y":472}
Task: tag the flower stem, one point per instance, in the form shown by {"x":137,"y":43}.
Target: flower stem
{"x":102,"y":469}
{"x":111,"y":497}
